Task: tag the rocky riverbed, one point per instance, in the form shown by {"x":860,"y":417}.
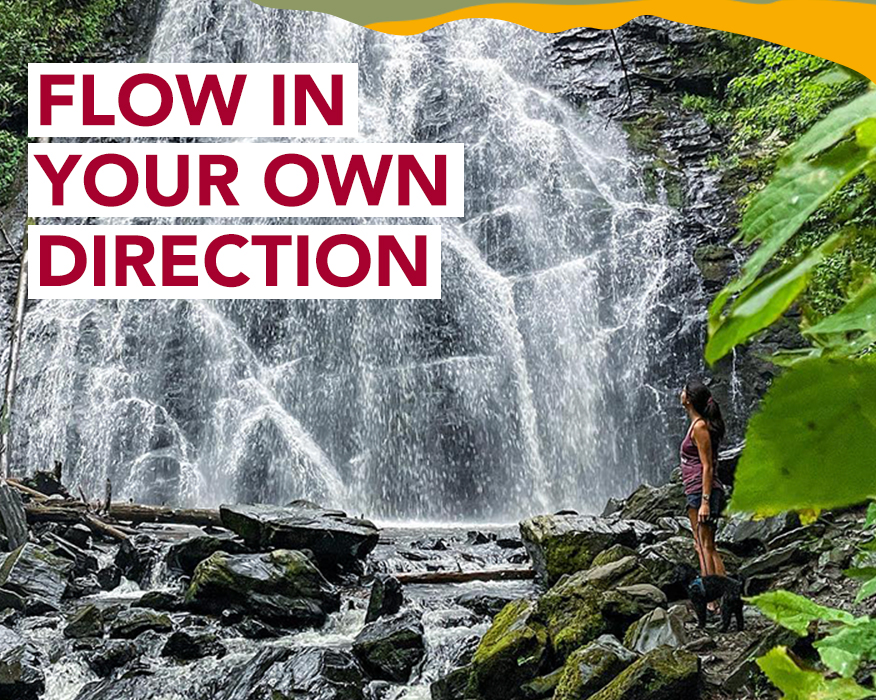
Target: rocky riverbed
{"x":303,"y":602}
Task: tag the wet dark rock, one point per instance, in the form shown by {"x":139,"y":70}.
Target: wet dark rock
{"x":78,"y":535}
{"x":109,"y":577}
{"x":132,"y":622}
{"x":35,"y":574}
{"x":137,"y":557}
{"x":337,"y":541}
{"x":187,"y":646}
{"x":255,"y":629}
{"x":386,"y":597}
{"x":160,"y":600}
{"x":476,"y":537}
{"x":432,"y":544}
{"x":87,"y":621}
{"x":112,"y":655}
{"x":650,"y":503}
{"x":391,"y":647}
{"x":303,"y":674}
{"x":281,"y":587}
{"x":11,"y":600}
{"x":716,"y":263}
{"x":509,"y":543}
{"x":774,"y":561}
{"x":183,"y":557}
{"x":514,"y":651}
{"x":565,"y":544}
{"x":487,"y":604}
{"x":592,"y":667}
{"x":9,"y":617}
{"x":83,"y":586}
{"x":452,"y":686}
{"x":746,"y":536}
{"x":663,"y":674}
{"x":84,"y":562}
{"x":21,"y":664}
{"x":13,"y":520}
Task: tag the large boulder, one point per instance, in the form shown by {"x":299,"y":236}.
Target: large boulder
{"x":602,"y":600}
{"x":513,"y":651}
{"x":87,"y":621}
{"x":386,"y":597}
{"x":306,"y":673}
{"x":651,"y":503}
{"x":391,"y":647}
{"x":36,"y":574}
{"x":188,"y":646}
{"x":663,"y":674}
{"x":21,"y":664}
{"x":592,"y":667}
{"x":745,"y":536}
{"x":656,"y":629}
{"x":13,"y":520}
{"x":565,"y":544}
{"x":452,"y":686}
{"x":137,"y":557}
{"x":132,"y":622}
{"x":337,"y":541}
{"x":183,"y":557}
{"x":282,"y":587}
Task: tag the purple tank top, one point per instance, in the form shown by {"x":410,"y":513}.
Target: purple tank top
{"x":692,"y":467}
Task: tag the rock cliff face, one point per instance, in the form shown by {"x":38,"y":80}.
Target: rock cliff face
{"x":642,"y":81}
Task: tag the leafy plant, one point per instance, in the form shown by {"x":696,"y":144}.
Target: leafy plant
{"x":810,"y":446}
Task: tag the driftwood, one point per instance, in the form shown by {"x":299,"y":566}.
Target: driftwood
{"x":509,"y":574}
{"x":71,"y":513}
{"x":134,"y":513}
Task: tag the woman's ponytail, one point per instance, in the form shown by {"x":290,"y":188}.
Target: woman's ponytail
{"x":704,"y":403}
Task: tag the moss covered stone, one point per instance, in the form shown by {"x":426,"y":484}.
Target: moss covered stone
{"x":280,"y":587}
{"x":592,"y":667}
{"x":602,"y":600}
{"x":663,"y":674}
{"x":566,"y":544}
{"x":512,"y":652}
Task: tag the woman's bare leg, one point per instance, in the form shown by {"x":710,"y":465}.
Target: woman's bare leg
{"x":694,"y":524}
{"x":710,"y":551}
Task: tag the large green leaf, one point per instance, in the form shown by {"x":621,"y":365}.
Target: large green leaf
{"x":796,"y":612}
{"x":834,"y":127}
{"x":811,"y":444}
{"x":867,"y":590}
{"x":764,"y":302}
{"x":782,"y":207}
{"x":798,"y":684}
{"x":859,"y":314}
{"x":844,"y":650}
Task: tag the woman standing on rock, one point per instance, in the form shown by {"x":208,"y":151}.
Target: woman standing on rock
{"x":699,"y":457}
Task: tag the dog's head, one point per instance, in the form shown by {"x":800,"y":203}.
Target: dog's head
{"x":684,"y":575}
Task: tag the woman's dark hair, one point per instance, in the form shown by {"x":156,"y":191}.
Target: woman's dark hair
{"x":703,"y":403}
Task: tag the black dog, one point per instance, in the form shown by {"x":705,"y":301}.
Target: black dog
{"x":703,"y":590}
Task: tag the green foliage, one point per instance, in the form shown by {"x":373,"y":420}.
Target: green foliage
{"x":795,"y":612}
{"x":799,"y":684}
{"x":39,"y":31}
{"x":826,"y":159}
{"x":819,"y":413}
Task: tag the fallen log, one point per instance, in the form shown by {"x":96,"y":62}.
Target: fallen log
{"x":72,"y":513}
{"x":135,"y":513}
{"x":509,"y":574}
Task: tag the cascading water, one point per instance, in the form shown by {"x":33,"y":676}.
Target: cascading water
{"x":545,"y":376}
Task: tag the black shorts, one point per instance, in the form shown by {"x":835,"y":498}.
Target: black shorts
{"x":717,"y":502}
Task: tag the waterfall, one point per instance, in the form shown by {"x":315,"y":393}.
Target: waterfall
{"x":545,"y":377}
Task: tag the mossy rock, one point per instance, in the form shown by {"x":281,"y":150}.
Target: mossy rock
{"x":390,"y":647}
{"x":542,"y":687}
{"x":282,"y":587}
{"x":592,"y":667}
{"x":85,"y":622}
{"x":602,"y":600}
{"x":512,"y":652}
{"x":613,"y":554}
{"x":567,"y":544}
{"x":663,"y":674}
